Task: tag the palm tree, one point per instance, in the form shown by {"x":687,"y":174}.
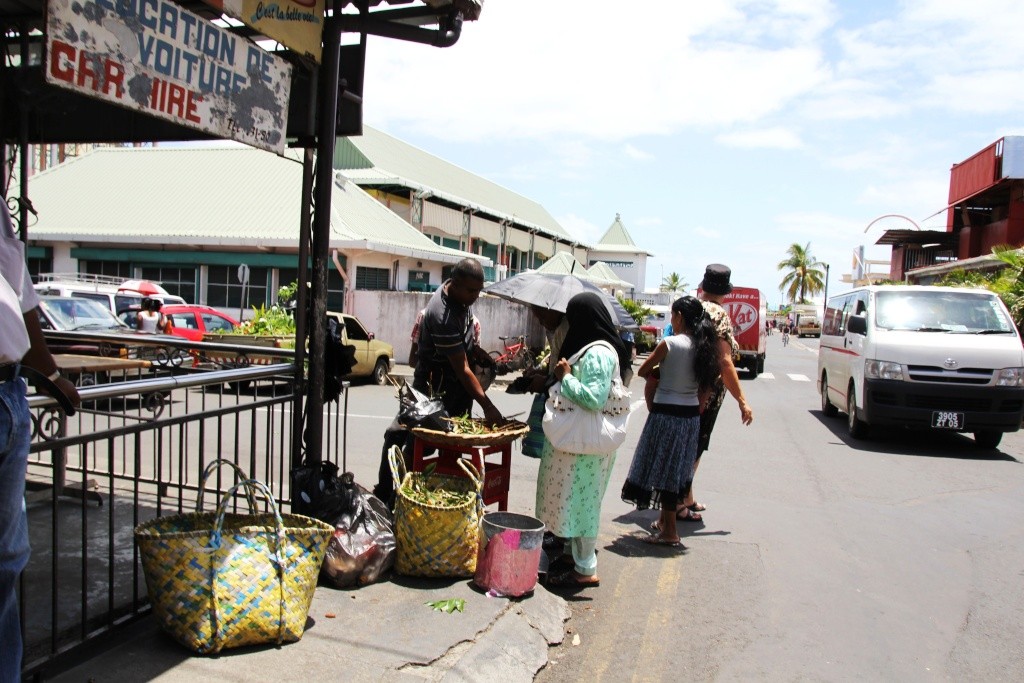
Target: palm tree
{"x":804,"y":278}
{"x":673,"y":283}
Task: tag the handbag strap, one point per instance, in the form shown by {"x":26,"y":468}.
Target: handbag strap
{"x":600,"y":342}
{"x":240,"y":476}
{"x":251,"y":485}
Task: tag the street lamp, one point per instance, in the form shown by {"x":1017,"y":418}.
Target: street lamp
{"x":826,"y":288}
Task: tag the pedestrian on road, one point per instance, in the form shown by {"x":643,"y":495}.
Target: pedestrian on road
{"x":21,"y":346}
{"x":664,"y":457}
{"x":570,"y":486}
{"x":713,"y":289}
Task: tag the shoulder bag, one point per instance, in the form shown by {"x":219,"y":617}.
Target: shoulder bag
{"x":574,"y":429}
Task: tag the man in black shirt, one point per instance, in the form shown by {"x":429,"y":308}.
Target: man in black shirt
{"x":447,"y":348}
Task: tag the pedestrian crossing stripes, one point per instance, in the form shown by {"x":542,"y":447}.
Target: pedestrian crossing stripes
{"x":793,"y":376}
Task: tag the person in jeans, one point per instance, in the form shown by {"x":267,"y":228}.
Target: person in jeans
{"x":22,"y":343}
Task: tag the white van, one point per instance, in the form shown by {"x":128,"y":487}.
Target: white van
{"x":117,"y":294}
{"x":922,"y":357}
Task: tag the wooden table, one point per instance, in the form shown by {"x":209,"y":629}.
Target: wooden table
{"x":69,"y":363}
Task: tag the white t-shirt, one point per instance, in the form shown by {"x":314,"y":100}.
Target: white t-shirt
{"x":16,"y":293}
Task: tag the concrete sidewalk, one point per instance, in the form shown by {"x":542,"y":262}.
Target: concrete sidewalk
{"x":381,"y":632}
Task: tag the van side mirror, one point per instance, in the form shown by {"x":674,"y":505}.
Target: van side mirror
{"x":857,"y":324}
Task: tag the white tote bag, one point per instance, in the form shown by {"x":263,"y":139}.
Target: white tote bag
{"x":574,"y":429}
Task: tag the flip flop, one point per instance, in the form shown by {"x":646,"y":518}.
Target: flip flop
{"x":697,"y":507}
{"x":688,"y":515}
{"x":658,"y":540}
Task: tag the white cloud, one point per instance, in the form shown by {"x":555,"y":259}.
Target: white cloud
{"x":707,"y":233}
{"x":580,"y":228}
{"x":765,"y":138}
{"x":635,"y":153}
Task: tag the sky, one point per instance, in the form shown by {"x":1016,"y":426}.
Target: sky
{"x":719,"y":130}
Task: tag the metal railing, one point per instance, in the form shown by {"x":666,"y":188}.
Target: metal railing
{"x":135,"y":451}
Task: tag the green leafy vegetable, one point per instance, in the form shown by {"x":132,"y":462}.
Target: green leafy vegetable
{"x":448,"y":606}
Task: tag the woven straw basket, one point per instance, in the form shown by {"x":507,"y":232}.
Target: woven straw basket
{"x":220,"y":580}
{"x":435,"y":540}
{"x":506,"y":433}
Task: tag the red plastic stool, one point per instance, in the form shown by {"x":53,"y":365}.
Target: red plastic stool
{"x":497,"y":471}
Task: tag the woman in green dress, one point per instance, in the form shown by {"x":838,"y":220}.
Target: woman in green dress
{"x":570,"y":486}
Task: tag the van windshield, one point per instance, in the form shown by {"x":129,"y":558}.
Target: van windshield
{"x":947,"y":311}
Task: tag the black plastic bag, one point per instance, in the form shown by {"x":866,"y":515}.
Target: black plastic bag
{"x":417,"y":410}
{"x":314,"y":491}
{"x":363,"y":545}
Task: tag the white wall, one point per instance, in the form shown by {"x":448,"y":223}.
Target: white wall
{"x":390,"y":316}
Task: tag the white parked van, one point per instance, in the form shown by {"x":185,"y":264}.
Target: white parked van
{"x":941,"y":358}
{"x":117,"y":294}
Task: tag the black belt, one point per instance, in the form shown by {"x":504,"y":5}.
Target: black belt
{"x":9,"y":372}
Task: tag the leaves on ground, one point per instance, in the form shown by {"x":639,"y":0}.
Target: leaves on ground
{"x":448,"y":606}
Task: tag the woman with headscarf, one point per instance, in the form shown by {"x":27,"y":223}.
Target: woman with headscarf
{"x":570,"y":486}
{"x":664,"y":457}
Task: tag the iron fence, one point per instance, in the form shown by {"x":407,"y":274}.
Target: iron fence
{"x":135,"y":451}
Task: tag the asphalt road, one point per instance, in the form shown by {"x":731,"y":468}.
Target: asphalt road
{"x":895,"y":558}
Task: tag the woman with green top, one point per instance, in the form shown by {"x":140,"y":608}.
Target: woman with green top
{"x":570,"y":486}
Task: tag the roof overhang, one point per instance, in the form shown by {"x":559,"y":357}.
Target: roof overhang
{"x":903,"y":238}
{"x":377,"y":179}
{"x":452,"y":256}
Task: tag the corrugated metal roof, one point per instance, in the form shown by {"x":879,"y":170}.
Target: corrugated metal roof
{"x":376,"y":157}
{"x":223,"y":196}
{"x":602,"y":272}
{"x":564,"y":263}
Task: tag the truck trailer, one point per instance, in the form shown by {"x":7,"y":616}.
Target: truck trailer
{"x":748,"y":311}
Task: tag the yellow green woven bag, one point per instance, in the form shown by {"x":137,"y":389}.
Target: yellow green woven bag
{"x":221,"y":580}
{"x":436,"y":540}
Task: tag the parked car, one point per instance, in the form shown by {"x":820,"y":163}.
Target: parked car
{"x":373,"y":357}
{"x":189,"y":321}
{"x":70,"y":313}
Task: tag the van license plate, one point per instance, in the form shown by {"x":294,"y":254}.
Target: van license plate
{"x":943,"y":419}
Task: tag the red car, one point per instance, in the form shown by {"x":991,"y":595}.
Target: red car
{"x":190,"y":321}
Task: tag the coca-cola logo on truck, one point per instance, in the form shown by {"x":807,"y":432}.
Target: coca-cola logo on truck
{"x":743,"y":316}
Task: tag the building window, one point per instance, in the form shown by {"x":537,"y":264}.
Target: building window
{"x":118,"y":269}
{"x":223,"y":288}
{"x":373,"y":278}
{"x":180,"y":281}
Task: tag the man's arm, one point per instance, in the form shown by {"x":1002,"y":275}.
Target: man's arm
{"x":39,"y":358}
{"x":732,"y":381}
{"x":469,"y":382}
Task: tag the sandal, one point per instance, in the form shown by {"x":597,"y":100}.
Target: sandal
{"x":656,"y":539}
{"x":697,"y":507}
{"x":571,"y":579}
{"x":688,"y":515}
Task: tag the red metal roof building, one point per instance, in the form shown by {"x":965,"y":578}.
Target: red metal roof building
{"x":985,"y":209}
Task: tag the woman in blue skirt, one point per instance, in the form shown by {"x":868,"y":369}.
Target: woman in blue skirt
{"x":687,"y":364}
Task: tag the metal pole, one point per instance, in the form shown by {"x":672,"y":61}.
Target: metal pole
{"x":301,"y":302}
{"x":325,"y":139}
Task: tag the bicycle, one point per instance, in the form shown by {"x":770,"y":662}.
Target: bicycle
{"x":785,"y":336}
{"x":515,"y":356}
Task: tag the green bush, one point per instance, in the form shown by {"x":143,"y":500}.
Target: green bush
{"x":645,"y":342}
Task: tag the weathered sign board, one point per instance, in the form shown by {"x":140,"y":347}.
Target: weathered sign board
{"x":160,"y":59}
{"x":296,"y":24}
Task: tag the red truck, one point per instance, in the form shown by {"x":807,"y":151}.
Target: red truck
{"x":748,"y":311}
